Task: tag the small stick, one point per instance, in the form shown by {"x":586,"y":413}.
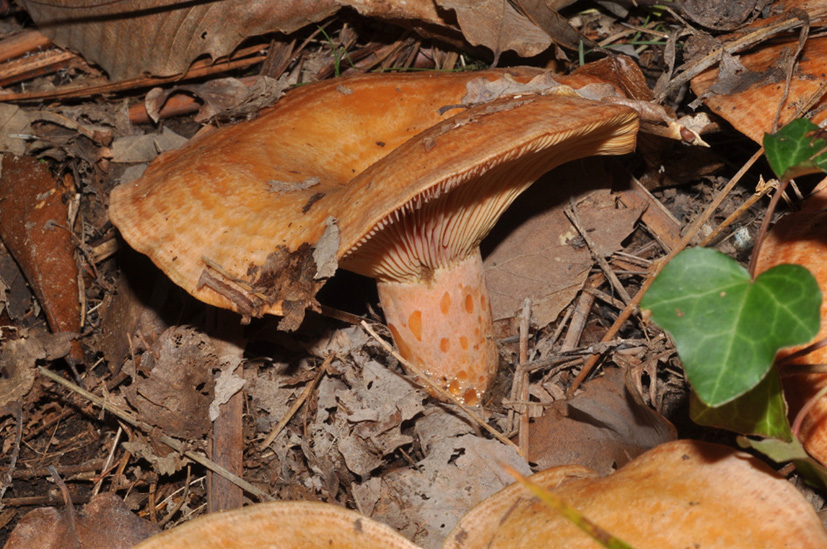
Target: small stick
{"x":176,"y":445}
{"x":523,"y":395}
{"x":760,"y":193}
{"x":298,"y":404}
{"x":571,"y":213}
{"x":108,"y":461}
{"x":439,"y":390}
{"x":7,"y":478}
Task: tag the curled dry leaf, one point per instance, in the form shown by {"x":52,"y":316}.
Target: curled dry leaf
{"x":680,"y":494}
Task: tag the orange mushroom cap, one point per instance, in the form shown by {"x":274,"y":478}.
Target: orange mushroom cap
{"x":681,"y":494}
{"x":392,"y":174}
{"x":283,"y":524}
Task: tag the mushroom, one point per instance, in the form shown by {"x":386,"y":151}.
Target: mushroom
{"x":390,"y":176}
{"x":283,"y":524}
{"x":681,"y":494}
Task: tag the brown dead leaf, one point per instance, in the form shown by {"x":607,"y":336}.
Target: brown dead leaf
{"x":33,"y":226}
{"x":495,"y":24}
{"x":602,"y":428}
{"x":721,"y":16}
{"x":15,"y":125}
{"x":544,"y":14}
{"x":104,"y":522}
{"x":747,"y":90}
{"x":217,"y":96}
{"x":540,"y":255}
{"x":18,"y":358}
{"x":173,"y":386}
{"x":162,"y":37}
{"x":133,"y":149}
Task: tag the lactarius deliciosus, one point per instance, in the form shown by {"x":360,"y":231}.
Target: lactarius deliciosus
{"x":389,"y":176}
{"x":285,"y":525}
{"x":680,"y":494}
{"x":801,"y":238}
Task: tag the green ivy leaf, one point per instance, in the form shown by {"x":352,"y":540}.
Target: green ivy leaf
{"x":760,"y":411}
{"x":797,"y":149}
{"x":781,"y":451}
{"x":727,"y":329}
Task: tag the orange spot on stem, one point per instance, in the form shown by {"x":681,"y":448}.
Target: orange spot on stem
{"x":469,"y":303}
{"x":445,"y":303}
{"x":404,"y":350}
{"x":415,"y":324}
{"x":444,"y":344}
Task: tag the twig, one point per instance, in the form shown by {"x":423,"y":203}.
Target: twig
{"x":108,"y":461}
{"x":439,"y":390}
{"x":760,"y":192}
{"x":7,"y":478}
{"x":298,"y":404}
{"x":181,"y":501}
{"x":176,"y":445}
{"x":571,"y":213}
{"x":523,"y":395}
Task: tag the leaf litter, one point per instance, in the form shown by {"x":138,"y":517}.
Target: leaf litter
{"x":358,"y":432}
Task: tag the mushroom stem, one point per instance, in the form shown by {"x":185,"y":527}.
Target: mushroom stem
{"x":442,"y":324}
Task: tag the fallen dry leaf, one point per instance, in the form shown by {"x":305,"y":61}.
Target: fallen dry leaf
{"x":602,"y":429}
{"x":173,"y":385}
{"x":162,"y":39}
{"x":424,"y":503}
{"x":133,"y":149}
{"x":681,"y":494}
{"x":721,"y":16}
{"x":535,"y":252}
{"x":18,"y":361}
{"x":34,"y":227}
{"x":747,"y":91}
{"x":496,"y":25}
{"x":104,"y":522}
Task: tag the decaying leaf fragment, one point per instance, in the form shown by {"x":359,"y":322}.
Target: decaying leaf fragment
{"x":173,"y":385}
{"x":751,"y":89}
{"x":18,"y":361}
{"x":602,"y":429}
{"x":34,"y":227}
{"x":162,"y":39}
{"x":103,"y":522}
